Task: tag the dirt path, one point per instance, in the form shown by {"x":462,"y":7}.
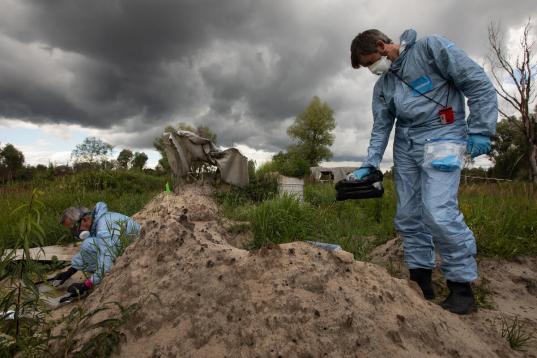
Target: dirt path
{"x":202,"y":297}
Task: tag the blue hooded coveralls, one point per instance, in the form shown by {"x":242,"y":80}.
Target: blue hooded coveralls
{"x":99,"y":251}
{"x":427,"y":206}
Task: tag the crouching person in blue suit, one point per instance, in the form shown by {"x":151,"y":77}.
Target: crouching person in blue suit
{"x":104,"y":234}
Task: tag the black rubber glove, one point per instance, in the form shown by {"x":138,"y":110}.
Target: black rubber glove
{"x":60,"y":278}
{"x":79,"y":288}
{"x":76,"y":291}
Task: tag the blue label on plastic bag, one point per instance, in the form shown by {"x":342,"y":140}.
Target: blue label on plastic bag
{"x":449,"y":163}
{"x":421,"y":85}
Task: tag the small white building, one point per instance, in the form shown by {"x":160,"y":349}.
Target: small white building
{"x":322,"y":174}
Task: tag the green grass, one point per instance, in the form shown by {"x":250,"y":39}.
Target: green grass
{"x":355,"y":225}
{"x":516,"y":333}
{"x":502,"y":216}
{"x":124,"y":192}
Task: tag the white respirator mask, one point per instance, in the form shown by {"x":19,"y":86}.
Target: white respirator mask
{"x":381,"y":66}
{"x":84,"y":235}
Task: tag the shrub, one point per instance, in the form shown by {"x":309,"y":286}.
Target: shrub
{"x":286,"y":164}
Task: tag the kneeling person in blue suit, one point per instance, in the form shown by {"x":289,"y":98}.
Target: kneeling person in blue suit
{"x":104,"y":234}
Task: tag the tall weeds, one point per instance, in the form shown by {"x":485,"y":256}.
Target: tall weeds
{"x":503,"y":217}
{"x":356,"y":226}
{"x":23,"y":316}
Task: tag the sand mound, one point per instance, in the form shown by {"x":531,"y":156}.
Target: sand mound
{"x":294,"y":300}
{"x":508,"y":289}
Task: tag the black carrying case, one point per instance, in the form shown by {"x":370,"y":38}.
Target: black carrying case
{"x":368,"y":187}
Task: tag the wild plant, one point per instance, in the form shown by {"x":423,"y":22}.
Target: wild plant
{"x":23,"y":315}
{"x":106,"y":332}
{"x":515,"y":333}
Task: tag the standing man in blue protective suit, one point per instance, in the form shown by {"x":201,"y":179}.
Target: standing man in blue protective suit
{"x":104,"y":233}
{"x":423,"y":84}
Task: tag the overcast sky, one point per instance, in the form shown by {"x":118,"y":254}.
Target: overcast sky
{"x":123,"y":70}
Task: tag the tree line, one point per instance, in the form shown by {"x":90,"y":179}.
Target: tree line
{"x":91,"y":154}
{"x":95,"y":153}
{"x":311,"y":136}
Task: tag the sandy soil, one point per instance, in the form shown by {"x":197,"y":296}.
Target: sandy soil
{"x":508,"y":289}
{"x":202,"y":297}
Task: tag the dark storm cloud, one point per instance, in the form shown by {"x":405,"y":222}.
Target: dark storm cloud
{"x":245,"y":68}
{"x":125,"y":51}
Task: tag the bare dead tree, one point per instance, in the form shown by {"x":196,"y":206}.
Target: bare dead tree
{"x":520,"y":70}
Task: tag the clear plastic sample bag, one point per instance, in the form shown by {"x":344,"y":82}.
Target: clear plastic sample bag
{"x":444,"y":154}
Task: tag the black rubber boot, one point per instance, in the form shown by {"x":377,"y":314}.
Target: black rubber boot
{"x":423,"y":278}
{"x":461,"y":298}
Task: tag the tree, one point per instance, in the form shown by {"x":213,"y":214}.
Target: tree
{"x":11,"y":161}
{"x":205,"y":132}
{"x":521,"y":74}
{"x":92,"y":152}
{"x":312,"y":132}
{"x":138,"y":161}
{"x":291,"y":164}
{"x":509,"y":150}
{"x":124,"y":158}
